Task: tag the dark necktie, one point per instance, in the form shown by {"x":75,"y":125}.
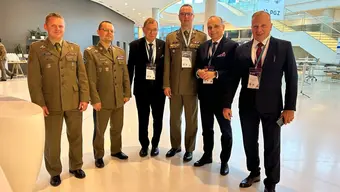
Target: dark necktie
{"x":258,"y":53}
{"x":186,"y":34}
{"x":213,"y":49}
{"x":109,"y":50}
{"x":150,"y":52}
{"x":58,"y":47}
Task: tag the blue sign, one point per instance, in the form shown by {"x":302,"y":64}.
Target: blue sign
{"x":337,"y":59}
{"x":274,"y":7}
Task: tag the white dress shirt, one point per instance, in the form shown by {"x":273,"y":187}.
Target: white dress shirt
{"x":210,"y":48}
{"x":153,"y":49}
{"x":265,"y":43}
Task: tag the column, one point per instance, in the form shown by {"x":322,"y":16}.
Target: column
{"x":210,"y":10}
{"x":155,"y":15}
{"x":140,"y":32}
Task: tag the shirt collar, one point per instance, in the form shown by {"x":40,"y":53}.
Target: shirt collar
{"x":54,"y":42}
{"x":264,"y":42}
{"x":218,"y":41}
{"x":153,"y":42}
{"x":106,"y":48}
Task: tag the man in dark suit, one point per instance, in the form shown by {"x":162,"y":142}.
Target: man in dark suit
{"x":213,"y":63}
{"x":146,"y":62}
{"x":260,"y":64}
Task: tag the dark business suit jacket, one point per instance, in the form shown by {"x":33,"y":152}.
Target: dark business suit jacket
{"x":222,"y":62}
{"x":268,"y":98}
{"x":137,"y":66}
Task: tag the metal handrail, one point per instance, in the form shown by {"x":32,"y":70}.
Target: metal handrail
{"x":316,"y":19}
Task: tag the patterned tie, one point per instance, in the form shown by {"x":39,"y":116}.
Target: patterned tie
{"x":213,"y":48}
{"x":258,"y":53}
{"x":58,"y":47}
{"x":150,"y":52}
{"x":186,"y":34}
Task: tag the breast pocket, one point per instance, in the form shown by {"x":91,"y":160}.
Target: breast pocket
{"x":71,"y":61}
{"x":174,"y":48}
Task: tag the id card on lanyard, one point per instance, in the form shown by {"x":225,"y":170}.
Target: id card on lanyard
{"x":209,"y":81}
{"x":187,"y":55}
{"x":150,"y":66}
{"x":256,"y":72}
{"x":210,"y":68}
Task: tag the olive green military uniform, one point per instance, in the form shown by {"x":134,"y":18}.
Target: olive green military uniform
{"x":109,"y":85}
{"x":182,"y":82}
{"x":59,"y":82}
{"x":3,"y":69}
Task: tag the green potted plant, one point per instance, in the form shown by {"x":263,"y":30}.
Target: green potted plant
{"x":33,"y":34}
{"x":43,"y":34}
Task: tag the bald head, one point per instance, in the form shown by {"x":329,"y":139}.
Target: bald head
{"x":214,"y":17}
{"x":261,"y":25}
{"x":215,"y":28}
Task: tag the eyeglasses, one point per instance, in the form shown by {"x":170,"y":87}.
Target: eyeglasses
{"x":107,"y":30}
{"x":186,"y":14}
{"x":151,"y":30}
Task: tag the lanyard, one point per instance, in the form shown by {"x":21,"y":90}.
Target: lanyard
{"x":212,"y":53}
{"x":260,"y":57}
{"x":148,"y":50}
{"x":187,"y":42}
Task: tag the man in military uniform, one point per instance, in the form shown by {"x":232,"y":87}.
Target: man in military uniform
{"x":180,"y":81}
{"x":57,"y":82}
{"x":3,"y":69}
{"x":109,"y":90}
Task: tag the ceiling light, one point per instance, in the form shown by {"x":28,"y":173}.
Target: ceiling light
{"x":139,"y":13}
{"x":126,"y":4}
{"x":133,"y":9}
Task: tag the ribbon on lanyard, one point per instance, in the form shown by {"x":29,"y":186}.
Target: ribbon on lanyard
{"x":187,"y":41}
{"x":148,"y":53}
{"x":212,"y":53}
{"x":260,"y":57}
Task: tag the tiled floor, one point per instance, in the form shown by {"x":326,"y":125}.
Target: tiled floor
{"x":310,"y":153}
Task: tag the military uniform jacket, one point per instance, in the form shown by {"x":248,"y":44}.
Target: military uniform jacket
{"x":2,"y":52}
{"x":108,"y":76}
{"x":57,"y":81}
{"x":182,"y":81}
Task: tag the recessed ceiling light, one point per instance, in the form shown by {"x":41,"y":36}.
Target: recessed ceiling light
{"x":139,"y":13}
{"x":133,"y":9}
{"x":126,"y":4}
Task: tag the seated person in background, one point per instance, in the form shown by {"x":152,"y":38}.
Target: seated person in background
{"x":3,"y":69}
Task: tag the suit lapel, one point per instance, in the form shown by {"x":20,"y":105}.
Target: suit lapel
{"x":143,"y":51}
{"x":65,"y":49}
{"x":248,"y":51}
{"x":220,"y":47}
{"x":270,"y":52}
{"x":179,"y":37}
{"x":206,"y":49}
{"x":50,"y":48}
{"x":158,"y":51}
{"x":104,"y":52}
{"x":193,"y":36}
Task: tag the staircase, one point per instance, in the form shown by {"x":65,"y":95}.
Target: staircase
{"x":329,"y":41}
{"x":281,"y":26}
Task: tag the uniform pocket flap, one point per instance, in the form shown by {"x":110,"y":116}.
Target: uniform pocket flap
{"x":75,"y":88}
